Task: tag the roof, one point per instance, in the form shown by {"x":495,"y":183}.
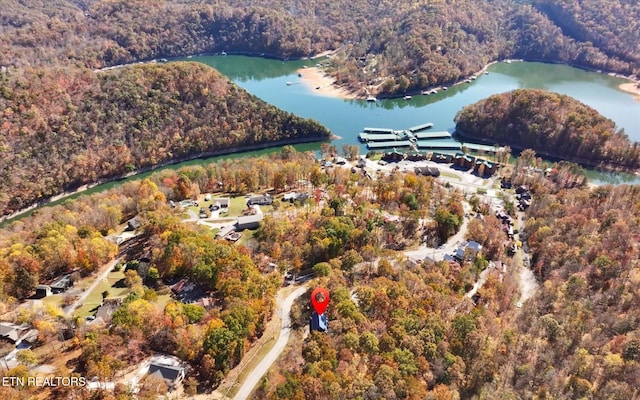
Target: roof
{"x":378,"y":130}
{"x":11,"y":331}
{"x":248,"y":219}
{"x":377,"y":137}
{"x":438,"y":144}
{"x":169,"y":373}
{"x":390,"y":144}
{"x":319,"y":322}
{"x":432,"y":135}
{"x":221,"y":200}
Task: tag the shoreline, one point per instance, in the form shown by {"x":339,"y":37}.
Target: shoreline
{"x":5,"y":219}
{"x":320,"y":83}
{"x":632,"y":87}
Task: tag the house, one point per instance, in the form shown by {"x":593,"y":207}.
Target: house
{"x":318,"y":322}
{"x":441,"y":158}
{"x":263,"y":200}
{"x":224,"y":231}
{"x":62,"y":284}
{"x":427,"y":171}
{"x":484,"y":167}
{"x":468,"y":250}
{"x":416,"y":156}
{"x":108,"y":307}
{"x":43,"y":291}
{"x":17,"y":333}
{"x":393,"y":156}
{"x":168,"y":368}
{"x":249,"y":221}
{"x":299,"y":197}
{"x":464,"y":161}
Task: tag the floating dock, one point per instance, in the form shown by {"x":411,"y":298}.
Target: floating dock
{"x":422,"y":127}
{"x":378,"y":130}
{"x":432,"y":135}
{"x":438,"y":145}
{"x":388,"y":145}
{"x":482,"y":147}
{"x":380,"y":137}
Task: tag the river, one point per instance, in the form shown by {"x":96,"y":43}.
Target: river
{"x":267,"y":79}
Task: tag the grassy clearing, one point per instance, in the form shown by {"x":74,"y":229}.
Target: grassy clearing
{"x":236,"y":206}
{"x":94,"y":299}
{"x":450,"y":175}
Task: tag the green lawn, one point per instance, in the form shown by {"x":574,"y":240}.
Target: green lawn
{"x":450,"y":175}
{"x":95,"y":297}
{"x":236,"y":206}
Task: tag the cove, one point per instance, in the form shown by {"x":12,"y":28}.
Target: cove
{"x":267,"y":79}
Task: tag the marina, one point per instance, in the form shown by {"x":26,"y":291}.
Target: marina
{"x":419,"y":138}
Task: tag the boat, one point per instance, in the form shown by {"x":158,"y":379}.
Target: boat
{"x":407,"y":97}
{"x":224,"y":53}
{"x":425,"y":92}
{"x":371,"y":98}
{"x":289,"y":83}
{"x":486,"y":72}
{"x":444,"y":88}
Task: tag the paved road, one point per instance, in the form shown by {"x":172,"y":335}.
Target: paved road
{"x":107,"y":268}
{"x":258,"y":372}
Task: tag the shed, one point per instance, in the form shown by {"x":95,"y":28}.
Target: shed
{"x":43,"y":291}
{"x":222,"y":202}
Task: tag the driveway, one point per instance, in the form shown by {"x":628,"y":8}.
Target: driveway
{"x":253,"y":377}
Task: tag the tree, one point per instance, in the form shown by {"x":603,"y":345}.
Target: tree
{"x":27,"y":357}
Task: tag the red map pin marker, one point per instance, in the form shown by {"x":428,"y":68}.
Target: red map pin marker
{"x":320,"y":299}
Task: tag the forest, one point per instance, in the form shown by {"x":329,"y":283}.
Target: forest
{"x":398,"y":329}
{"x":388,"y":47}
{"x":70,"y":238}
{"x":66,"y":127}
{"x":552,"y":124}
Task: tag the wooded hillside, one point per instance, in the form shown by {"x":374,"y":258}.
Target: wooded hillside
{"x":552,"y":124}
{"x":394,"y":47}
{"x":65,"y":127}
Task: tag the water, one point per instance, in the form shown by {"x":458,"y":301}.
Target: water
{"x":267,"y":79}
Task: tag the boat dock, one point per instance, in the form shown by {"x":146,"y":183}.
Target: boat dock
{"x":388,"y":145}
{"x":420,"y":128}
{"x":382,"y":137}
{"x":432,"y":135}
{"x":377,"y":130}
{"x":438,"y":145}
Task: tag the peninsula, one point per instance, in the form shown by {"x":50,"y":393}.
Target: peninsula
{"x":552,"y":124}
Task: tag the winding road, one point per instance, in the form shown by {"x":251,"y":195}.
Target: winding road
{"x":253,"y":377}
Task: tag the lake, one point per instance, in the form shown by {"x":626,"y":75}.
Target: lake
{"x":268,"y":79}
